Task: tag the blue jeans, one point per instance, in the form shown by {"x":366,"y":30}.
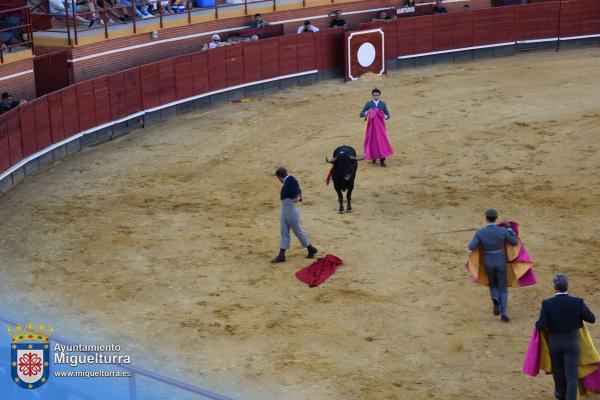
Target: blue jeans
{"x":137,"y":12}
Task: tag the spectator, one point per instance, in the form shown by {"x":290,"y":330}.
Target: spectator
{"x":235,"y":38}
{"x":179,"y":6}
{"x":114,"y":9}
{"x":142,"y":7}
{"x":466,"y":7}
{"x":439,"y":9}
{"x":128,"y":5}
{"x":8,"y":103}
{"x":91,"y":6}
{"x":307,"y":27}
{"x":409,"y":3}
{"x":382,"y":16}
{"x":249,"y":39}
{"x":337,"y":20}
{"x":164,"y":4}
{"x":258,"y":22}
{"x":57,"y":9}
{"x":215,"y":42}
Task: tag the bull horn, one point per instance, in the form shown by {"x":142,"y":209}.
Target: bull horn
{"x":357,"y":158}
{"x":334,"y":159}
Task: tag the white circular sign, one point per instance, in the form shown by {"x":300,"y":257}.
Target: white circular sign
{"x":366,"y":54}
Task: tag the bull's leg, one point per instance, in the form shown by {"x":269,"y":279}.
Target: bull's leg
{"x":340,"y":200}
{"x":349,"y":200}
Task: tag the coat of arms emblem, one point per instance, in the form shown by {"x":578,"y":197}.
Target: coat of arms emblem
{"x":30,"y":355}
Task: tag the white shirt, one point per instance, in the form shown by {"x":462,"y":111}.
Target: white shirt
{"x":561,"y":293}
{"x":376,"y":102}
{"x":287,"y":176}
{"x":312,"y":29}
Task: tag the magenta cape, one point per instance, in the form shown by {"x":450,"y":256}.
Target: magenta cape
{"x":376,"y":140}
{"x":538,"y":358}
{"x":317,"y":272}
{"x":520,"y":266}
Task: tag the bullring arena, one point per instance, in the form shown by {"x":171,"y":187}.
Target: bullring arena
{"x":161,"y":239}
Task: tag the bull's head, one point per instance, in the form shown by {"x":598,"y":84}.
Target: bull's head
{"x":346,"y":163}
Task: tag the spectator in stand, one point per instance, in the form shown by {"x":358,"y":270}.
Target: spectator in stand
{"x":307,"y":27}
{"x":258,"y":22}
{"x":8,"y":103}
{"x":338,"y":21}
{"x":382,"y":16}
{"x":57,"y":9}
{"x":114,"y":9}
{"x":466,"y":7}
{"x":439,"y":9}
{"x":409,"y":3}
{"x":216,"y":42}
{"x":142,"y":7}
{"x":179,"y":6}
{"x":235,"y":38}
{"x":93,"y":11}
{"x":153,"y":7}
{"x":127,"y":5}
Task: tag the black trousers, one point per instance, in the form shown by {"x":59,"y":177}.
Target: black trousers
{"x":564,"y":353}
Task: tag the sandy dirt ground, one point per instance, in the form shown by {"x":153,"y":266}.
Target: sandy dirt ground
{"x":161,"y":240}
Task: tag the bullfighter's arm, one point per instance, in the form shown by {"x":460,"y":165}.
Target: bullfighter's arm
{"x":542,"y":321}
{"x":510,"y":237}
{"x":475,"y":242}
{"x":365,"y":110}
{"x":586,"y":314}
{"x":385,"y":110}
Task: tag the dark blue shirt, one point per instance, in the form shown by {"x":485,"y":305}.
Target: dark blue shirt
{"x":290,"y":188}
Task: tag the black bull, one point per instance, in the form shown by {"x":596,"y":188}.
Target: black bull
{"x":343,"y":174}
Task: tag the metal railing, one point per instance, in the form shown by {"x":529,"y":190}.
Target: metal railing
{"x":22,"y":34}
{"x":135,"y":371}
{"x":73,"y":18}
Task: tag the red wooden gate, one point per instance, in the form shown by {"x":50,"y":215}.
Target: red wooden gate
{"x":51,"y":72}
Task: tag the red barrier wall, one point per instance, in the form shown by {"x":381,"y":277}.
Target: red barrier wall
{"x":61,"y":114}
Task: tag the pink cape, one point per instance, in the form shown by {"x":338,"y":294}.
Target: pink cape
{"x":520,"y":266}
{"x":538,"y":357}
{"x":376,"y":140}
{"x":317,"y":272}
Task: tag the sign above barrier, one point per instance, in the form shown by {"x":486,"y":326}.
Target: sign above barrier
{"x":364,"y":52}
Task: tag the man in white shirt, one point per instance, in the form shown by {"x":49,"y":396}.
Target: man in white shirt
{"x":307,"y":27}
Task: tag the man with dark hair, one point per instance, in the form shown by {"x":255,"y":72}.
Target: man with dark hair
{"x":258,"y":22}
{"x":382,"y":16}
{"x":439,"y":9}
{"x":375,"y":102}
{"x":563,"y":315}
{"x":8,"y":103}
{"x":307,"y":27}
{"x":491,"y":239}
{"x":290,"y":217}
{"x":337,"y":21}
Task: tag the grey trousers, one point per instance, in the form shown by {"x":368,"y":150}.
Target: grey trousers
{"x":290,"y":219}
{"x":496,"y":272}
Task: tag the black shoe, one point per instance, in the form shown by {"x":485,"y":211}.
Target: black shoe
{"x":278,"y":259}
{"x":505,"y":318}
{"x":311,"y":251}
{"x":496,"y":307}
{"x":383,"y":164}
{"x":92,"y":22}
